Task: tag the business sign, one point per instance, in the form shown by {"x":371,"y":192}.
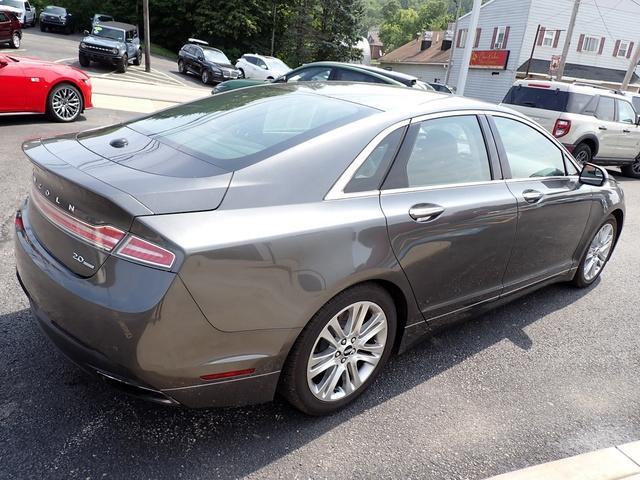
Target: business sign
{"x":489,"y":59}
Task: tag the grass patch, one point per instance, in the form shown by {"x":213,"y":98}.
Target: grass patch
{"x":163,"y":52}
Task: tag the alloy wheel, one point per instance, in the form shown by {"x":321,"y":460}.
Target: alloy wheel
{"x":66,"y":103}
{"x":15,"y":41}
{"x":598,"y":253}
{"x":582,"y":157}
{"x":635,"y":167}
{"x":347,"y":351}
{"x":205,"y":77}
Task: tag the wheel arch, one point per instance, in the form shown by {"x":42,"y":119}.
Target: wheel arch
{"x":619,"y":216}
{"x":62,"y":81}
{"x":591,"y":141}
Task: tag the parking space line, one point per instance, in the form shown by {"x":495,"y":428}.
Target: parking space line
{"x":64,"y":60}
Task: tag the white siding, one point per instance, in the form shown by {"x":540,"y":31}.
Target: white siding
{"x":619,"y":21}
{"x":492,"y":85}
{"x":426,"y":73}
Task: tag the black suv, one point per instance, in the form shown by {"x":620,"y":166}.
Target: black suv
{"x":113,"y":43}
{"x":211,"y":64}
{"x":57,"y":18}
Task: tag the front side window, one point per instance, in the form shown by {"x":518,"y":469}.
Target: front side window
{"x":530,"y":154}
{"x":313,"y":74}
{"x":3,"y":18}
{"x":606,"y":110}
{"x":626,"y":113}
{"x":441,"y":151}
{"x":344,"y":75}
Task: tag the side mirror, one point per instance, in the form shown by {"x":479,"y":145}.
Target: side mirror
{"x":593,"y":175}
{"x":86,"y":33}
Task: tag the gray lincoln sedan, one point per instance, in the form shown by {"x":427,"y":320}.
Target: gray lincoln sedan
{"x":289,"y":238}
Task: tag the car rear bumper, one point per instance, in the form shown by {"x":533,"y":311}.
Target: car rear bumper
{"x":139,"y":329}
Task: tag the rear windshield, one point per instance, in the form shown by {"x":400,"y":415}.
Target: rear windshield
{"x":547,"y":99}
{"x":243,"y":127}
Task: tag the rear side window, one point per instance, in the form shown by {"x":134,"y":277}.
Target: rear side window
{"x":3,"y":17}
{"x":606,"y":109}
{"x":440,"y":152}
{"x":547,"y":99}
{"x":344,"y":75}
{"x":242,"y":128}
{"x":530,"y":153}
{"x":312,"y":74}
{"x":371,"y":173}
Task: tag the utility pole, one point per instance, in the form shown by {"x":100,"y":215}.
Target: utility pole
{"x":632,"y":67}
{"x":533,"y":51}
{"x":567,"y":41}
{"x":468,"y":47}
{"x":453,"y":43}
{"x":147,"y":36}
{"x":273,"y":28}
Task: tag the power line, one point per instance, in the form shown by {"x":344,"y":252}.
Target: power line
{"x":602,"y":18}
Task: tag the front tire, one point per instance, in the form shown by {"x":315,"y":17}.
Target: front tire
{"x":43,"y":28}
{"x":181,"y":68}
{"x":341,"y":351}
{"x":206,"y":77}
{"x":84,"y":60}
{"x":124,"y":64}
{"x":632,"y":170}
{"x":15,"y":40}
{"x":582,"y":153}
{"x":65,"y":103}
{"x":241,"y":74}
{"x":598,"y":254}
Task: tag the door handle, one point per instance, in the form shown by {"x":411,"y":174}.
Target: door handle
{"x":602,"y":127}
{"x":532,"y":196}
{"x":425,"y":213}
{"x":626,"y":131}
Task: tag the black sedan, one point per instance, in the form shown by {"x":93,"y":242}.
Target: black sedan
{"x":210,"y":64}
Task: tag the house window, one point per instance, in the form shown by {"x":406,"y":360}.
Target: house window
{"x":462,"y":38}
{"x":623,"y":48}
{"x":500,"y":36}
{"x":591,"y":44}
{"x":549,"y":37}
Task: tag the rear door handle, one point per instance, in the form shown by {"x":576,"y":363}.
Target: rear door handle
{"x":532,"y":196}
{"x":425,"y":212}
{"x":602,"y":127}
{"x":626,"y":131}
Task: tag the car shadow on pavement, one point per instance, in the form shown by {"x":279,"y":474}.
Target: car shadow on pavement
{"x":91,"y":429}
{"x":34,"y":119}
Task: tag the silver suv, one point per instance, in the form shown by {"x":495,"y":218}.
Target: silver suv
{"x":597,"y":125}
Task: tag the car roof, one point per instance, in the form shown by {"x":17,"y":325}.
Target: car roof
{"x":119,"y":25}
{"x":570,"y":87}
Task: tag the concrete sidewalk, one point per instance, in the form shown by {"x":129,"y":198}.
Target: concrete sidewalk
{"x":615,"y":463}
{"x":129,"y":97}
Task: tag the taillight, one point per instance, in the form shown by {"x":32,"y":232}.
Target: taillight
{"x":235,"y":373}
{"x":561,"y":128}
{"x":105,"y":237}
{"x":18,"y":221}
{"x":139,"y":250}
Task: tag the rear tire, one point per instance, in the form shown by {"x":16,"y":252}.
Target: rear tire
{"x":124,"y":63}
{"x":206,"y":77}
{"x":33,"y":22}
{"x":65,"y":103}
{"x":84,"y":60}
{"x":15,"y":40}
{"x":181,"y":68}
{"x":598,"y":253}
{"x":43,"y":28}
{"x":582,"y":153}
{"x":351,"y":355}
{"x":137,"y":60}
{"x":632,"y":170}
{"x":241,"y":75}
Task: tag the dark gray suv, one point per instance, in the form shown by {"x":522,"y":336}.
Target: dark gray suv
{"x":114,"y":43}
{"x":291,"y":237}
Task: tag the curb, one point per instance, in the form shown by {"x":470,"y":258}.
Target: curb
{"x":615,"y":463}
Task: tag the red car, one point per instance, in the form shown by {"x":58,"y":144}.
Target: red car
{"x":37,"y":86}
{"x":10,"y":29}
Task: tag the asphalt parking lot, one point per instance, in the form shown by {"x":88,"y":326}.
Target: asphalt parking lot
{"x":553,"y":374}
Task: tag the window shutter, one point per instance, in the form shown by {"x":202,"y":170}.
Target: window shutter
{"x":581,"y":42}
{"x":630,"y":50}
{"x":541,"y":36}
{"x":601,"y":49}
{"x":493,"y":39}
{"x":506,"y":37}
{"x":556,"y":40}
{"x":477,"y":42}
{"x":616,"y":49}
{"x":458,"y":39}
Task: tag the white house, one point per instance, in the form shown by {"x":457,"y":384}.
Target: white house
{"x":604,"y":38}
